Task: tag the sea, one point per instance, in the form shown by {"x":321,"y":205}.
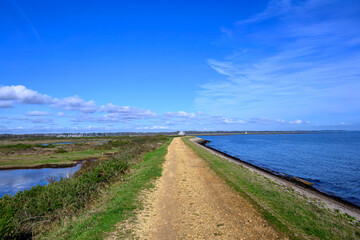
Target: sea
{"x":330,"y":160}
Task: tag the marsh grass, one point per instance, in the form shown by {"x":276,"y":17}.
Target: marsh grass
{"x":57,"y":158}
{"x":292,"y":214}
{"x":29,"y":213}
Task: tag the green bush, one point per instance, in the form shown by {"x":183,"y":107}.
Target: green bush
{"x":19,"y":146}
{"x":60,"y":150}
{"x":103,"y":147}
{"x":45,"y":146}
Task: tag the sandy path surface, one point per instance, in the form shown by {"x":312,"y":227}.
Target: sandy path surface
{"x":191,"y":202}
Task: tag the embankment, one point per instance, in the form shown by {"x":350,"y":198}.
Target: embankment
{"x":294,"y":209}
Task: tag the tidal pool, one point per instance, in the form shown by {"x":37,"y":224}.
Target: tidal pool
{"x":13,"y":181}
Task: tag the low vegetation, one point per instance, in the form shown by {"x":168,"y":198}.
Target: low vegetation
{"x":25,"y":154}
{"x":297,"y":217}
{"x":34,"y":212}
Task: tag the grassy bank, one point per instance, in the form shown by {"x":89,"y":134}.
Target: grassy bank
{"x":86,"y":206}
{"x":25,"y":154}
{"x":297,"y":217}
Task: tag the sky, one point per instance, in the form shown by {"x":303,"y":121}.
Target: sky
{"x":142,"y":66}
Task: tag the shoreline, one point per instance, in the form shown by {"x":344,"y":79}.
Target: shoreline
{"x":47,"y":165}
{"x":54,"y":165}
{"x":300,"y":186}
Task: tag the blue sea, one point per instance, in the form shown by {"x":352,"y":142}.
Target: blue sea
{"x":330,"y":160}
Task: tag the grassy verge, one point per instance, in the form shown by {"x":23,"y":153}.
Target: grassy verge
{"x":297,"y":217}
{"x":31,"y":213}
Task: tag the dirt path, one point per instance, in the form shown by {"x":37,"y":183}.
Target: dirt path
{"x":191,"y":202}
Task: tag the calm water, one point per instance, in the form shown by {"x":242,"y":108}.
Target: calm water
{"x":12,"y":181}
{"x":329,"y":160}
{"x":61,"y":143}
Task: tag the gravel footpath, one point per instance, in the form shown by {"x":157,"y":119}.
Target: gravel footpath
{"x":191,"y":202}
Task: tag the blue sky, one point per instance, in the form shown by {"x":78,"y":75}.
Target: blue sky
{"x":94,"y":66}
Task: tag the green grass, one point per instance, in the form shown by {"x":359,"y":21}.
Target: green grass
{"x":57,"y":158}
{"x":116,"y":204}
{"x":295,"y":216}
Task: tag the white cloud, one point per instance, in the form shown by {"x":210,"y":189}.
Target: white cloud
{"x":41,"y":120}
{"x":24,"y":95}
{"x":155,"y":127}
{"x":232,"y":121}
{"x":75,"y":103}
{"x":297,"y":121}
{"x":111,"y":108}
{"x":273,"y":9}
{"x":121,"y":114}
{"x":219,"y":119}
{"x":6,"y":104}
{"x":93,"y":127}
{"x":37,"y":113}
{"x":114,"y":113}
{"x":125,"y":112}
{"x":180,"y":114}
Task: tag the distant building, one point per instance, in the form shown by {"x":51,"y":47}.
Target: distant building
{"x":181,"y":133}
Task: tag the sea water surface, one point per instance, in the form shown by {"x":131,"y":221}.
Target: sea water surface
{"x":330,"y":160}
{"x":13,"y":181}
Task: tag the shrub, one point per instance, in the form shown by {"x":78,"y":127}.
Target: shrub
{"x":45,"y":146}
{"x":103,"y":147}
{"x":60,"y":150}
{"x":19,"y":146}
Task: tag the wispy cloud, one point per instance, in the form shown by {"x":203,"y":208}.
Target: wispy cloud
{"x":125,"y":113}
{"x":75,"y":103}
{"x":180,"y":114}
{"x":274,"y":8}
{"x":37,"y":113}
{"x":305,"y":63}
{"x":6,"y":104}
{"x":26,"y":18}
{"x":155,"y":127}
{"x":41,"y":120}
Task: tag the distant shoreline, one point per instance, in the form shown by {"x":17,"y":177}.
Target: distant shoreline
{"x":301,"y":186}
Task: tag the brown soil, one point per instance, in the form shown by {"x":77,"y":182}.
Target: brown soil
{"x":191,"y":202}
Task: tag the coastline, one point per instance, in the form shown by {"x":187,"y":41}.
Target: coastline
{"x":300,"y":186}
